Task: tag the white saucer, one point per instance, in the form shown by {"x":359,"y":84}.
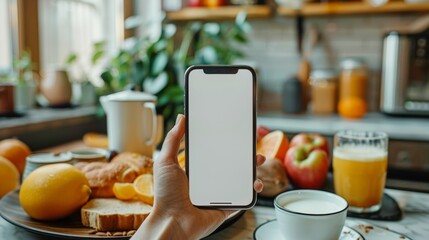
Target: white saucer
{"x":270,"y":231}
{"x":357,"y":230}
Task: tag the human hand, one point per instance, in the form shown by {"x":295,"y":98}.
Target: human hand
{"x":173,"y":214}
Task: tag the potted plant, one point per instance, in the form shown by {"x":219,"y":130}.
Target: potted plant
{"x":84,"y":92}
{"x":157,"y":67}
{"x":25,"y":86}
{"x":148,"y":65}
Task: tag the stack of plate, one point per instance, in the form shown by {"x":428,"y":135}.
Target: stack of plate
{"x":40,"y":159}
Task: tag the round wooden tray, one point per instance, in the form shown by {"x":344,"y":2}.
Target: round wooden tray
{"x":70,"y":227}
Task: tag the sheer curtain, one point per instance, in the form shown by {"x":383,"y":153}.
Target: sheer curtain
{"x":8,"y":33}
{"x":73,"y":26}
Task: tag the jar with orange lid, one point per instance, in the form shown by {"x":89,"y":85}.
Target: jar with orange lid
{"x":353,"y":82}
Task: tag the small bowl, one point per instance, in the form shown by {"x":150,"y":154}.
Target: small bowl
{"x":310,"y":214}
{"x":40,"y":159}
{"x":89,"y":155}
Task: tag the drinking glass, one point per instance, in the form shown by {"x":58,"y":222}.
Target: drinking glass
{"x":360,"y":167}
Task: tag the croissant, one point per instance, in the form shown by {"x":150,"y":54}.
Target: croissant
{"x":124,"y":168}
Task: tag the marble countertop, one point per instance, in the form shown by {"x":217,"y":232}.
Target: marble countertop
{"x":414,"y":224}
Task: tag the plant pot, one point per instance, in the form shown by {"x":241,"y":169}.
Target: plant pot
{"x":7,"y":101}
{"x":56,"y":88}
{"x":25,"y":96}
{"x":84,"y":94}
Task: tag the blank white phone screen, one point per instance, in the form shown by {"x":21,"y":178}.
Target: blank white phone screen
{"x":220,"y":133}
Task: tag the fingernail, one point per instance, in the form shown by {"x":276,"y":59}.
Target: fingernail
{"x":179,"y":117}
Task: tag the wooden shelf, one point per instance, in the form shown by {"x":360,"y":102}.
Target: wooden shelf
{"x":219,"y":13}
{"x":351,"y":8}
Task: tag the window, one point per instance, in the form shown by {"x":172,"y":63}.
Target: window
{"x":73,"y":26}
{"x":8,"y":34}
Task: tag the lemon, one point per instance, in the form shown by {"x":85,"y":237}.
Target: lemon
{"x":9,"y":176}
{"x":54,"y":191}
{"x":124,"y":191}
{"x":144,"y":188}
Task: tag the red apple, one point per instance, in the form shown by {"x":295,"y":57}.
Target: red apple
{"x":261,"y":131}
{"x":306,"y":168}
{"x":312,"y":140}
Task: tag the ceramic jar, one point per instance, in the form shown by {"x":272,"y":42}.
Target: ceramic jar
{"x":57,"y":88}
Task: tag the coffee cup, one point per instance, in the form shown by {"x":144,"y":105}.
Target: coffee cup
{"x":310,"y":214}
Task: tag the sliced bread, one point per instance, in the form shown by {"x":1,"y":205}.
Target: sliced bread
{"x":109,"y":214}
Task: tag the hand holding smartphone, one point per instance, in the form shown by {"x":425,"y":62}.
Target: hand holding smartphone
{"x":220,"y":109}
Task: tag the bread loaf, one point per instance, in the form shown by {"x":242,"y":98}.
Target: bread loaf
{"x":108,"y":214}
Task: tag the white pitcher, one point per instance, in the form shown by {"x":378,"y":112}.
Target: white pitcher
{"x":131,"y":122}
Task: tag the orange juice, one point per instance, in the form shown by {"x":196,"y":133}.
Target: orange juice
{"x":360,"y":174}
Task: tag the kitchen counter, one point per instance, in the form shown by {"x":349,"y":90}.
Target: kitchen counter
{"x":399,"y":128}
{"x":414,"y":224}
{"x":45,"y":127}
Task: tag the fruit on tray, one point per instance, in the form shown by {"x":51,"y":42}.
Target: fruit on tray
{"x":181,"y":158}
{"x":123,"y":168}
{"x":124,"y":191}
{"x":306,"y":168}
{"x":54,"y":191}
{"x":9,"y":176}
{"x":261,"y":132}
{"x":273,"y":145}
{"x":311,"y":140}
{"x":273,"y":175}
{"x":352,"y":108}
{"x":16,"y":152}
{"x":144,"y":188}
{"x":109,"y":214}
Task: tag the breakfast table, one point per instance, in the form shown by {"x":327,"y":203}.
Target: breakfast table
{"x":414,"y":223}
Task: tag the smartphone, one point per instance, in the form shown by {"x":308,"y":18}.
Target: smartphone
{"x":220,"y":110}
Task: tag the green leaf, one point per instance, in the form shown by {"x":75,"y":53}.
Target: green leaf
{"x":133,"y":22}
{"x":154,"y":86}
{"x":241,"y":18}
{"x":212,"y":28}
{"x":72,"y":58}
{"x":107,"y":77}
{"x":169,"y":30}
{"x":207,"y":55}
{"x":99,"y":45}
{"x":159,"y":63}
{"x":159,"y":45}
{"x":97,"y":56}
{"x":167,"y":111}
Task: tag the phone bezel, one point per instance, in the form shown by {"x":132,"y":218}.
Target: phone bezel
{"x":223,"y":69}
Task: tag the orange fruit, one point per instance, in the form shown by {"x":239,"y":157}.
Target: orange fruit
{"x":16,"y":152}
{"x":181,"y":158}
{"x":144,"y":188}
{"x":96,"y":140}
{"x":124,"y":191}
{"x":273,"y":145}
{"x":54,"y":191}
{"x":352,"y":108}
{"x":9,"y":176}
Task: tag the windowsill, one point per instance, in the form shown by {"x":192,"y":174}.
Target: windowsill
{"x":42,"y":128}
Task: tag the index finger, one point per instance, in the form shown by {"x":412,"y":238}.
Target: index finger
{"x":171,"y":144}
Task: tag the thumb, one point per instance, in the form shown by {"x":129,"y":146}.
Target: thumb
{"x":171,"y":144}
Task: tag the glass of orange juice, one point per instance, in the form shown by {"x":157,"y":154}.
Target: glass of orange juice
{"x":360,"y":167}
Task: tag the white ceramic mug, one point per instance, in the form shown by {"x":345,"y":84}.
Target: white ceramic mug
{"x":310,"y":214}
{"x":131,"y":122}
